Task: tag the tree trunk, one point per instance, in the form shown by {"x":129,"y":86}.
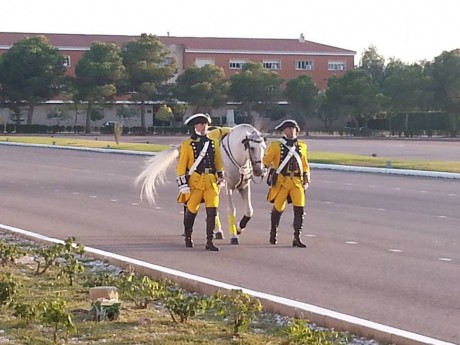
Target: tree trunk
{"x":30,"y":113}
{"x":143,"y":125}
{"x":88,"y":118}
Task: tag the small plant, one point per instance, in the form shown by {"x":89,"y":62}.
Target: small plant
{"x":9,"y":253}
{"x":183,"y":305}
{"x":45,"y":257}
{"x":9,"y":288}
{"x":140,"y":290}
{"x":26,"y":312}
{"x":300,"y":333}
{"x":239,"y":307}
{"x":71,"y":266}
{"x":117,"y":132}
{"x":55,"y":315}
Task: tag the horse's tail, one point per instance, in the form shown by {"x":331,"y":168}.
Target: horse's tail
{"x":154,"y":173}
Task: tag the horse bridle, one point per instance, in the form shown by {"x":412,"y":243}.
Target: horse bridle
{"x":246,"y":143}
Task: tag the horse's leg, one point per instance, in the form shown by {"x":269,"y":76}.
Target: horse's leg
{"x":231,"y":217}
{"x":249,"y":211}
{"x":218,"y":233}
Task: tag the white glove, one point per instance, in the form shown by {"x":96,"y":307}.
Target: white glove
{"x":184,"y":189}
{"x":220,"y":181}
{"x":305,"y":186}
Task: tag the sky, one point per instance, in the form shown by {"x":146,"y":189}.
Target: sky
{"x":408,"y":30}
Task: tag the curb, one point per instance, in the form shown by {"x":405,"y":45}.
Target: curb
{"x":274,"y":304}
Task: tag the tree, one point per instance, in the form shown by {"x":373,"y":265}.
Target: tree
{"x":255,"y":87}
{"x":32,"y":71}
{"x":204,"y":88}
{"x":147,"y":68}
{"x":356,"y":96}
{"x":373,"y":64}
{"x":301,"y":92}
{"x":445,"y":71}
{"x":406,"y":88}
{"x":96,"y":76}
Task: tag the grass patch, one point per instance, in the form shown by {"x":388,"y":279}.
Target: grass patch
{"x":313,"y":157}
{"x":100,"y":144}
{"x":376,"y":162}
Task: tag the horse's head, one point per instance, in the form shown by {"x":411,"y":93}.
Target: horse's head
{"x":254,"y":144}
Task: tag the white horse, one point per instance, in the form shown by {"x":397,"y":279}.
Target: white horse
{"x":242,"y":152}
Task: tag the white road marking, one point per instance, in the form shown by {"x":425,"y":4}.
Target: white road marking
{"x":444,"y":259}
{"x":75,"y":193}
{"x":442,"y":216}
{"x":135,"y":204}
{"x":381,"y":209}
{"x":351,"y":242}
{"x":395,"y":250}
{"x":113,"y":200}
{"x":310,"y":235}
{"x":93,"y":196}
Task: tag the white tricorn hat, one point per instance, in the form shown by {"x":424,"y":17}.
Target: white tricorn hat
{"x":288,"y":123}
{"x":197,"y":118}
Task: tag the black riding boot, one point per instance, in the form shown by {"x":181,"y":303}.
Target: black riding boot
{"x":211,"y":213}
{"x":189,"y":220}
{"x":275,"y":222}
{"x":298,"y":224}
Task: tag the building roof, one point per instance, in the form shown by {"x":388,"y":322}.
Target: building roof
{"x":190,"y":44}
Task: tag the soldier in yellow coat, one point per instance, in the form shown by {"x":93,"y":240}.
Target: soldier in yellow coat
{"x":199,"y":172}
{"x":288,"y":178}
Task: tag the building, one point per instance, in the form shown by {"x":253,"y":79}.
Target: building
{"x":289,"y":58}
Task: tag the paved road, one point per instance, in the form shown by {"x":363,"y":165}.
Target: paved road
{"x":382,"y":248}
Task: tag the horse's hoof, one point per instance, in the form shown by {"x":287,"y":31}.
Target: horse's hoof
{"x":219,"y":235}
{"x":234,"y":240}
{"x":239,"y":231}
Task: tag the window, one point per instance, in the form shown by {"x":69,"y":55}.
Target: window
{"x":304,"y":65}
{"x":66,"y":60}
{"x":204,"y":62}
{"x":236,"y":64}
{"x":272,"y":64}
{"x":336,"y":66}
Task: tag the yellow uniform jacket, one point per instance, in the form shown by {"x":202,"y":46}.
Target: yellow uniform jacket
{"x":204,"y":177}
{"x":291,"y":176}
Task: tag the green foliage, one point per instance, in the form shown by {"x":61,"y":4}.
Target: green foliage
{"x":141,"y":290}
{"x":71,"y":265}
{"x":32,"y":71}
{"x":54,"y":314}
{"x":9,"y":253}
{"x":148,"y":68}
{"x":96,"y":76}
{"x":204,"y":88}
{"x":9,"y":288}
{"x":239,"y":307}
{"x":164,"y":113}
{"x":58,"y":113}
{"x":25,"y":311}
{"x":182,"y":305}
{"x":255,"y":87}
{"x":47,"y":256}
{"x":300,"y":333}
